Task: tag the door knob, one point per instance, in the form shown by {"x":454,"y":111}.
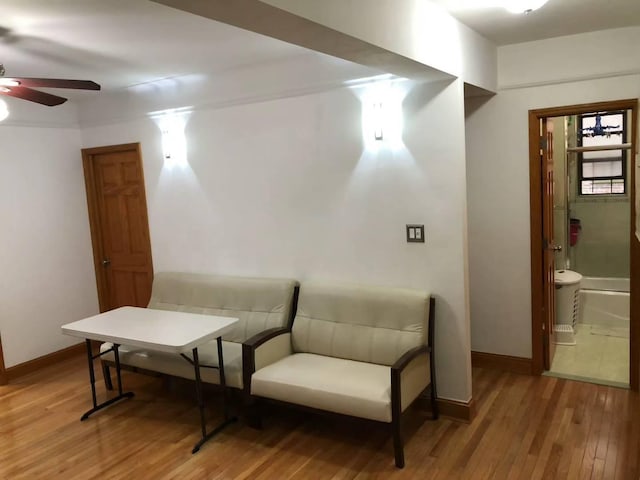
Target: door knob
{"x":556,"y":248}
{"x":106,"y":262}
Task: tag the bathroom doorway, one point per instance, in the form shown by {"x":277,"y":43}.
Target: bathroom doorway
{"x":583,"y":242}
{"x":591,"y":225}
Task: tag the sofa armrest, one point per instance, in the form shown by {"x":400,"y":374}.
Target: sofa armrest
{"x":264,"y":336}
{"x":264,"y":349}
{"x":410,"y":375}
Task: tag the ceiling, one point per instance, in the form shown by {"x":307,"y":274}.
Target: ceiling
{"x":555,"y":19}
{"x":121,"y":43}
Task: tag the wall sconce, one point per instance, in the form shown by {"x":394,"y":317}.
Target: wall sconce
{"x":377,"y":121}
{"x":382,"y":118}
{"x":172,"y":123}
{"x":168,"y":142}
{"x":174,"y":143}
{"x":4,"y":110}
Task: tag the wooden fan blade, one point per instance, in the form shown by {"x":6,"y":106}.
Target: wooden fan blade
{"x":33,"y":96}
{"x":55,"y":83}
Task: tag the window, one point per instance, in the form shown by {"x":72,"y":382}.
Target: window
{"x":602,"y":172}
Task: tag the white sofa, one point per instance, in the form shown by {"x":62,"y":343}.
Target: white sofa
{"x":259,"y":303}
{"x":354,"y":350}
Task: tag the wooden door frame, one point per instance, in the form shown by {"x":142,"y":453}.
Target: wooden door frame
{"x":4,"y":379}
{"x":536,"y":211}
{"x":92,"y":204}
{"x":548,"y":255}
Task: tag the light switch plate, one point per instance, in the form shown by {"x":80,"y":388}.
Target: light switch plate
{"x":415,"y":233}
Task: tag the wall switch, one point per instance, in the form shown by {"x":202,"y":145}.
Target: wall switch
{"x":415,"y":233}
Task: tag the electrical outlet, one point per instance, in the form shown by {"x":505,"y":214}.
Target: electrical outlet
{"x":415,"y":233}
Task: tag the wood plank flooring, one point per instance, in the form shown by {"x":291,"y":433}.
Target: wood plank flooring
{"x":526,"y":428}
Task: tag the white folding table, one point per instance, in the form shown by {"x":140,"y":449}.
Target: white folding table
{"x":161,"y":330}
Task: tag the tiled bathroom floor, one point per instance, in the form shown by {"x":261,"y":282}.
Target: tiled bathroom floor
{"x":600,"y":356}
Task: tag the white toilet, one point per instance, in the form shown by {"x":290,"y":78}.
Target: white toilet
{"x":567,"y":285}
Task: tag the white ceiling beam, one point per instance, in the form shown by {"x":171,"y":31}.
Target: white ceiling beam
{"x":288,"y":24}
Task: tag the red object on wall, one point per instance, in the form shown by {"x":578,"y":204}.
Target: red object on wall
{"x":574,"y":231}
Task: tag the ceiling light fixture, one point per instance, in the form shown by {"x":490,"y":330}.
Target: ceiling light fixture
{"x":523,"y":6}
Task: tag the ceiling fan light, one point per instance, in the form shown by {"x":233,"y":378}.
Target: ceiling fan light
{"x":9,"y":82}
{"x":523,"y":6}
{"x":4,"y":110}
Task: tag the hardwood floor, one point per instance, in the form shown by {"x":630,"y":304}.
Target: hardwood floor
{"x":526,"y":428}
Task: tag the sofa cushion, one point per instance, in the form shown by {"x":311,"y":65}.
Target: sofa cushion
{"x":367,"y":324}
{"x":258,"y":303}
{"x":327,"y":383}
{"x":177,"y":366}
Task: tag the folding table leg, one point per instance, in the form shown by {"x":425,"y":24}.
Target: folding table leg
{"x":227,"y":418}
{"x":92,"y":378}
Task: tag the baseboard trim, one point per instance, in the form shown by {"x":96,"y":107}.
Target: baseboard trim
{"x":507,"y":363}
{"x":456,"y":410}
{"x":31,"y":366}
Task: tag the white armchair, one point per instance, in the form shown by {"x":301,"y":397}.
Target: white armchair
{"x":360,"y":351}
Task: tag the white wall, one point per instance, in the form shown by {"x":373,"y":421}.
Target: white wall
{"x":29,"y":114}
{"x":45,"y":247}
{"x":285,"y":188}
{"x":498,"y":176}
{"x":607,"y":53}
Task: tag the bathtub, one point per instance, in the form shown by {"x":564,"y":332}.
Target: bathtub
{"x":605,"y":302}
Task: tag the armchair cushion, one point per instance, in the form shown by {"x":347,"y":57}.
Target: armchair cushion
{"x":334,"y":384}
{"x":366,"y":324}
{"x":258,"y":303}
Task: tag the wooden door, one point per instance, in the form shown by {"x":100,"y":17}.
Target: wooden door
{"x":548,"y":257}
{"x":119,"y":225}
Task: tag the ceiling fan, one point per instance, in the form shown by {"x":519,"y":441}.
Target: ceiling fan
{"x":601,"y":130}
{"x":24,"y":88}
